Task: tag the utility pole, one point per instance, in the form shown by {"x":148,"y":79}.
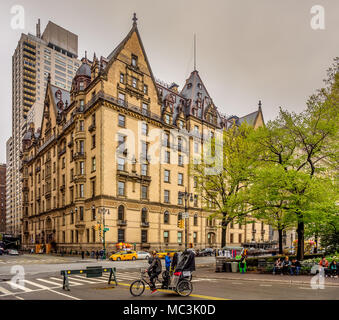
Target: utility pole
{"x":187,"y":196}
{"x":103,"y":211}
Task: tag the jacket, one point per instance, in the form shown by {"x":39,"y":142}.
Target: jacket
{"x":155,"y":265}
{"x":167,"y":261}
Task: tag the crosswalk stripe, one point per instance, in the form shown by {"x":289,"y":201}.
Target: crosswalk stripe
{"x":4,"y":291}
{"x":37,"y":285}
{"x":70,"y":281}
{"x":50,"y":282}
{"x":84,"y":280}
{"x":18,"y":286}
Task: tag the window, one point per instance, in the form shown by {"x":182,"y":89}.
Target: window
{"x":122,"y":78}
{"x":166,"y":237}
{"x":82,"y":167}
{"x":121,"y":164}
{"x":144,"y":129}
{"x":63,"y":219}
{"x":72,"y":236}
{"x":121,"y":188}
{"x":81,"y":213}
{"x":134,"y":82}
{"x":93,"y":164}
{"x":179,"y":144}
{"x":121,"y":142}
{"x":144,"y":169}
{"x":231,"y":238}
{"x":134,"y":60}
{"x":167,"y":157}
{"x":240,"y":238}
{"x":166,"y":141}
{"x":93,"y":141}
{"x":166,"y":217}
{"x":121,"y":98}
{"x":144,"y":192}
{"x":82,"y":103}
{"x":195,"y":237}
{"x":121,"y":235}
{"x":180,"y":237}
{"x":166,"y":196}
{"x":195,"y":200}
{"x":196,"y":147}
{"x":145,"y":109}
{"x":93,"y":119}
{"x":121,"y":213}
{"x":167,"y":118}
{"x":196,"y":129}
{"x":181,"y":124}
{"x":195,"y":219}
{"x":81,"y":191}
{"x":180,"y":179}
{"x":72,"y":217}
{"x":144,"y":215}
{"x":94,"y":216}
{"x":93,"y":235}
{"x":93,"y":188}
{"x":143,"y":236}
{"x":180,"y":198}
{"x":166,"y":176}
{"x":180,"y":160}
{"x":87,"y":235}
{"x":81,"y":85}
{"x":81,"y":125}
{"x":122,"y":121}
{"x":145,"y":89}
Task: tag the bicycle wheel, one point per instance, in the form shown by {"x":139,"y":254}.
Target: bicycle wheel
{"x":137,"y":288}
{"x":184,"y":288}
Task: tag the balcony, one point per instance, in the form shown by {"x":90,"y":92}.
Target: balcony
{"x":144,"y":224}
{"x":79,"y":155}
{"x":122,"y":223}
{"x":79,"y":178}
{"x":80,"y":224}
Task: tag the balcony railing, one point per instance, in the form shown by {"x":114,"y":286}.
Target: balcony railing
{"x":79,"y":155}
{"x":51,"y":139}
{"x":122,"y":223}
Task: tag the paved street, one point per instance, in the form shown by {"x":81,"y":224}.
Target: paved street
{"x":43,"y":281}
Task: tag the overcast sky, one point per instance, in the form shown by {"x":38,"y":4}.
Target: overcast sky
{"x":246,"y":49}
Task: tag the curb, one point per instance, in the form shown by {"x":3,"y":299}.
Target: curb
{"x":270,"y":280}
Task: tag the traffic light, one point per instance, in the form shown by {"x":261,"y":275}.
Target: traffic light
{"x":181,"y":223}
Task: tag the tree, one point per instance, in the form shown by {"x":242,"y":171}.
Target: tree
{"x":267,"y":193}
{"x":223,"y":191}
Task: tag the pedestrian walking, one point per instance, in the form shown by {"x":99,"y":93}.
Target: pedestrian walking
{"x":97,"y":254}
{"x":168,"y":261}
{"x":82,"y":255}
{"x":242,"y":264}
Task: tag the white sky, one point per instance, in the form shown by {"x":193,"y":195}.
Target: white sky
{"x":246,"y":50}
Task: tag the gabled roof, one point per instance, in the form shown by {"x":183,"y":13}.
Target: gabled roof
{"x":61,"y":98}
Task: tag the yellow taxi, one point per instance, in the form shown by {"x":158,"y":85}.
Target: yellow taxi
{"x":162,"y":255}
{"x":123,"y":255}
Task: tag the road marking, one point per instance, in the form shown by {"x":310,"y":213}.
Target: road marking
{"x":84,"y":280}
{"x":265,"y":285}
{"x":63,"y":294}
{"x":37,"y":285}
{"x":18,"y":286}
{"x":5,"y":291}
{"x":50,"y":282}
{"x":70,"y":281}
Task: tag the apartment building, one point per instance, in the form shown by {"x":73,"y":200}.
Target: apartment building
{"x":113,"y":154}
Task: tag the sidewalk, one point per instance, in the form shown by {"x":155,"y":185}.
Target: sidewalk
{"x":301,"y":279}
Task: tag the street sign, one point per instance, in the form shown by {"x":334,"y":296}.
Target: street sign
{"x":185,"y":215}
{"x":106,"y":229}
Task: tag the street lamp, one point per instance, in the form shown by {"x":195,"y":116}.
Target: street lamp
{"x":103,"y":211}
{"x":187,"y":196}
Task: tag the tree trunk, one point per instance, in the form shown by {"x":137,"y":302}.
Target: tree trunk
{"x":316,"y":243}
{"x":224,"y":224}
{"x":280,"y":236}
{"x":300,"y":232}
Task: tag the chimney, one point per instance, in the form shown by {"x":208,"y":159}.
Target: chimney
{"x":38,"y":31}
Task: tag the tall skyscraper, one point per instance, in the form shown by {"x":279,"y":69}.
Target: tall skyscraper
{"x":36,"y":57}
{"x":9,"y":190}
{"x":2,"y":197}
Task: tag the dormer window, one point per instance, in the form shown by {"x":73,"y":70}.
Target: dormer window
{"x":134,"y":60}
{"x":81,"y":85}
{"x":199,"y":94}
{"x":189,"y":86}
{"x":167,"y":118}
{"x":145,"y":89}
{"x":199,"y":86}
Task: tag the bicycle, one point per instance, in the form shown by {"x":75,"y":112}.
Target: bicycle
{"x":137,"y":287}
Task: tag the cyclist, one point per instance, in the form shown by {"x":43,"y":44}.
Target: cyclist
{"x":154,"y":270}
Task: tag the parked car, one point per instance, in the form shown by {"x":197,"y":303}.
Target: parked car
{"x":122,"y":256}
{"x":13,"y":252}
{"x":143,"y":255}
{"x":206,"y":252}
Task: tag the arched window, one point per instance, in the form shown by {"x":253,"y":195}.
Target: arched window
{"x":121,"y":213}
{"x":166,"y":217}
{"x":144,"y":215}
